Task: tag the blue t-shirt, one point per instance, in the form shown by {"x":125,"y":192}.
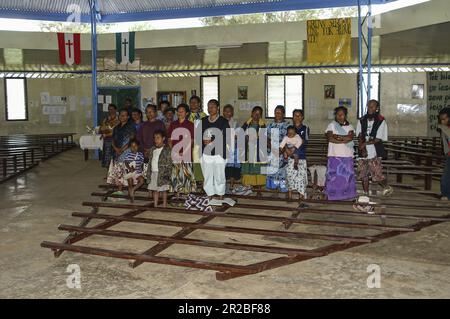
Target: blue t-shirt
{"x":135,"y":160}
{"x":303,"y":132}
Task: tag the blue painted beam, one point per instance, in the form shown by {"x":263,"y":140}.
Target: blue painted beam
{"x":164,"y":14}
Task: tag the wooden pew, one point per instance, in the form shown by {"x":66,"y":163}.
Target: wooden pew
{"x":19,"y":153}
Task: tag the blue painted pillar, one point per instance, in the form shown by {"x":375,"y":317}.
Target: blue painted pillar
{"x":94,"y":12}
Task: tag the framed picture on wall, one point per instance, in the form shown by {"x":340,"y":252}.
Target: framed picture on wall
{"x":242,"y":92}
{"x":329,"y":92}
{"x":417,"y":91}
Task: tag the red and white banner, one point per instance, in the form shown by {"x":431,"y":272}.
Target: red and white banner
{"x":69,"y":48}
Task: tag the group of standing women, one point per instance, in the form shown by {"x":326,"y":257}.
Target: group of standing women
{"x":280,"y":169}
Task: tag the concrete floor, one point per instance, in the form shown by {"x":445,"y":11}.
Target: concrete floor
{"x":414,"y":265}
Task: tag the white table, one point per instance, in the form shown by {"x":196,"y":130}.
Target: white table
{"x":90,"y":142}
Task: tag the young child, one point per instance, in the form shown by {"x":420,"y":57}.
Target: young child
{"x":133,"y":165}
{"x":160,"y":168}
{"x":290,"y":143}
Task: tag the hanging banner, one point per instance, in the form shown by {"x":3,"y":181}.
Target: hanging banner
{"x":69,"y":48}
{"x":438,"y":98}
{"x":125,"y":47}
{"x":329,"y":41}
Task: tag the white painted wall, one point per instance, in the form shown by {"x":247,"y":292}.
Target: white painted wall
{"x":395,"y":90}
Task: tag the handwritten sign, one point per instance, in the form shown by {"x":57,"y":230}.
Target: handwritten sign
{"x":438,"y":98}
{"x":329,"y":40}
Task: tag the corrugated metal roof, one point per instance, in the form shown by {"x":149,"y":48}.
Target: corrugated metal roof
{"x":138,"y":10}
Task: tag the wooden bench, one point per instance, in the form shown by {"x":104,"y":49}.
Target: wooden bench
{"x":19,"y":153}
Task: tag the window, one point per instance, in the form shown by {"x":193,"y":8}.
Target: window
{"x":209,"y":86}
{"x":374,"y":91}
{"x":15,"y":99}
{"x":284,"y":90}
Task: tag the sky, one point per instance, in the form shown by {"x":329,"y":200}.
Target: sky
{"x":33,"y":25}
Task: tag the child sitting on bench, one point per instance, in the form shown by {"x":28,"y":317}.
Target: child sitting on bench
{"x":133,"y":165}
{"x":291,"y":142}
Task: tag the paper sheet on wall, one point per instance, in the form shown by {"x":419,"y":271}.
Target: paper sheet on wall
{"x":100,"y":99}
{"x":55,"y":119}
{"x":73,"y":103}
{"x":248,"y":105}
{"x":54,"y":109}
{"x":85,"y":101}
{"x":45,"y":98}
{"x":108,"y":99}
{"x":57,"y":100}
{"x":105,"y":107}
{"x":88,"y":114}
{"x":331,"y":115}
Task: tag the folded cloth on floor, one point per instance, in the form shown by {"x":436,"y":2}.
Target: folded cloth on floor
{"x":201,"y":203}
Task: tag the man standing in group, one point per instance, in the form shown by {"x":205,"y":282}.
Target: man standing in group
{"x":146,"y":130}
{"x":372,"y":131}
{"x":128,"y":105}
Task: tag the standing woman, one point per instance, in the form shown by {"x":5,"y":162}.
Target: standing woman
{"x":233,"y":167}
{"x":251,"y":168}
{"x":276,"y":177}
{"x":182,"y":130}
{"x":123,"y":133}
{"x":106,"y":129}
{"x":296,"y":169}
{"x":340,"y":179}
{"x":195,"y":116}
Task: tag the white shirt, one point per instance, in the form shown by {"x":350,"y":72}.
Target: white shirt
{"x":382,"y":134}
{"x":295,"y":141}
{"x":339,"y":150}
{"x":155,"y":159}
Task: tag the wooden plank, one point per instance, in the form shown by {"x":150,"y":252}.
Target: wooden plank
{"x":255,"y":231}
{"x":189,"y":241}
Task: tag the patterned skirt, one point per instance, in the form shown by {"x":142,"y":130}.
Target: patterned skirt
{"x":252,"y":174}
{"x":183,"y":180}
{"x":116,"y":173}
{"x":340,"y":181}
{"x":297,"y":179}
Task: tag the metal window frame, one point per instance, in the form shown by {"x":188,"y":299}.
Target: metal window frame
{"x":266,"y":89}
{"x":360,"y":108}
{"x":205,"y":103}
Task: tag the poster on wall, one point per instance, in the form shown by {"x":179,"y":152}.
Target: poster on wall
{"x":345,"y":102}
{"x":329,"y":92}
{"x":248,"y":106}
{"x":329,"y":40}
{"x":417,"y":91}
{"x":438,"y":98}
{"x":45,"y":98}
{"x":242,"y":92}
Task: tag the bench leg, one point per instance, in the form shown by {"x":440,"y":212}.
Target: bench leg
{"x":86,"y":154}
{"x":4,"y":167}
{"x":428,"y":181}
